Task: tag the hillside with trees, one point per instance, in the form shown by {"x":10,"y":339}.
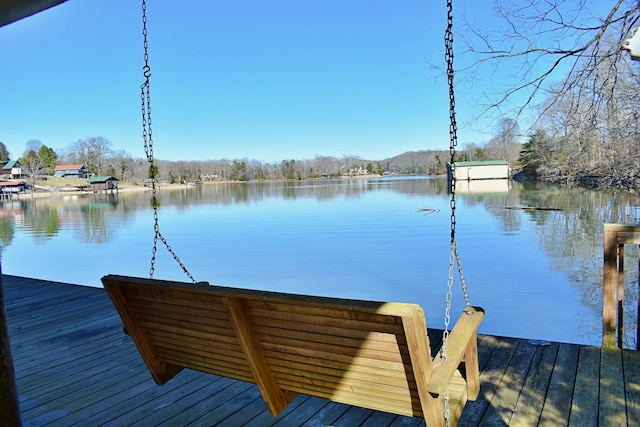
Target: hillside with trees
{"x":100,"y":158}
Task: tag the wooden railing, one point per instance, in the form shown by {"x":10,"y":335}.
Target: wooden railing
{"x":615,"y":237}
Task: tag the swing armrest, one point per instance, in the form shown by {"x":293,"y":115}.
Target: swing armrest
{"x":462,"y":341}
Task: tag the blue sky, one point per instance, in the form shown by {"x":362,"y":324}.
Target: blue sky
{"x":266,"y":80}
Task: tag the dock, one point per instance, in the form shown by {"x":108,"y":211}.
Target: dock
{"x":74,"y":366}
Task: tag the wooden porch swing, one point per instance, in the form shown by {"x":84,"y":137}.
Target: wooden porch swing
{"x":375,"y":355}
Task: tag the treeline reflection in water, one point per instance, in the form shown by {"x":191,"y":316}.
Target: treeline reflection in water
{"x":538,"y":273}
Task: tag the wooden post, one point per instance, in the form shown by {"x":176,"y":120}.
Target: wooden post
{"x":615,"y":237}
{"x":9,"y":407}
{"x":609,"y":300}
{"x":620,"y":295}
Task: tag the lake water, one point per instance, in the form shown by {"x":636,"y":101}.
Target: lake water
{"x":537,"y":273}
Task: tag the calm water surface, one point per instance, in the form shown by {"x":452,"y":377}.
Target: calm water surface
{"x":537,"y":273}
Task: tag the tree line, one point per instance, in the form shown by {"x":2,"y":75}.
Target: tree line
{"x":581,"y":108}
{"x":100,"y":158}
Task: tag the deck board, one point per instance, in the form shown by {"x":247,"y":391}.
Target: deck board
{"x":557,"y":405}
{"x":611,"y":406}
{"x":532,"y":395}
{"x":75,"y":367}
{"x":631,"y":362}
{"x":493,"y":366}
{"x":584,"y":408}
{"x":508,"y":390}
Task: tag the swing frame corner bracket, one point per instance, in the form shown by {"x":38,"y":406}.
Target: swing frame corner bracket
{"x":461,"y":343}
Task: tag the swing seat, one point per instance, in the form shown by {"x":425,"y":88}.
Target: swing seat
{"x":362,"y":353}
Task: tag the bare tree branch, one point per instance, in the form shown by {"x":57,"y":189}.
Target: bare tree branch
{"x":540,"y":43}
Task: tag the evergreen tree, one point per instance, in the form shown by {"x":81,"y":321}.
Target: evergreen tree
{"x":239,"y":171}
{"x":153,"y":171}
{"x":288,"y":169}
{"x":536,"y":153}
{"x":4,"y":153}
{"x":48,"y":157}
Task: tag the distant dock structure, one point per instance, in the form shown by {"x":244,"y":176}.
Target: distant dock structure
{"x":489,"y":176}
{"x":103,"y":183}
{"x":488,"y":169}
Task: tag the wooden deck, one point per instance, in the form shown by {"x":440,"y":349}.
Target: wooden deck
{"x":74,"y":366}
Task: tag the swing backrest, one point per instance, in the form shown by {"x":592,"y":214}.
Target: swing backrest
{"x":368,"y":354}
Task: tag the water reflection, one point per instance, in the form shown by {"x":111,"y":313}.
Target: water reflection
{"x":367,"y":232}
{"x":572,"y":236}
{"x":484,"y":186}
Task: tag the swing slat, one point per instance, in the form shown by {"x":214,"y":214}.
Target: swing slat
{"x":369,"y":354}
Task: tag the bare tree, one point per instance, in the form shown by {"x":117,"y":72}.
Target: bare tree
{"x":93,"y":152}
{"x":123,"y":164}
{"x":541,"y":42}
{"x":33,"y":162}
{"x":32,"y":145}
{"x":505,"y":145}
{"x":34,"y":166}
{"x":473,"y":152}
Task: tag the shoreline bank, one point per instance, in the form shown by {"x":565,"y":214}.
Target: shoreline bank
{"x":58,"y":191}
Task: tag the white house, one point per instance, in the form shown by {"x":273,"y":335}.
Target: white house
{"x":13,"y":168}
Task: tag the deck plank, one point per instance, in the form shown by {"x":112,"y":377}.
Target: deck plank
{"x":557,"y":405}
{"x":612,"y":408}
{"x":156,"y":399}
{"x":327,"y":415}
{"x":504,"y":401}
{"x":254,"y":405}
{"x":584,"y":408}
{"x":531,"y":400}
{"x":490,"y":378}
{"x":379,"y":419}
{"x":63,"y":386}
{"x":264,"y":418}
{"x":631,"y":360}
{"x":74,"y":366}
{"x":97,"y":403}
{"x":354,"y":416}
{"x":217,"y":400}
{"x":125,"y":403}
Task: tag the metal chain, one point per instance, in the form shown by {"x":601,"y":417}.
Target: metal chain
{"x":147,"y":136}
{"x":454,"y":257}
{"x":453,"y":141}
{"x":453,"y":134}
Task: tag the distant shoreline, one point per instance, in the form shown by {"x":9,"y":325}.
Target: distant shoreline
{"x":128,"y":187}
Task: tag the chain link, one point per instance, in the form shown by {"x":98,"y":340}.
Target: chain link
{"x":448,"y":43}
{"x":147,"y":136}
{"x":454,"y":257}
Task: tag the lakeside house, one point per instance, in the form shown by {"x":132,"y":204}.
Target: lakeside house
{"x":71,"y":171}
{"x":13,"y":169}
